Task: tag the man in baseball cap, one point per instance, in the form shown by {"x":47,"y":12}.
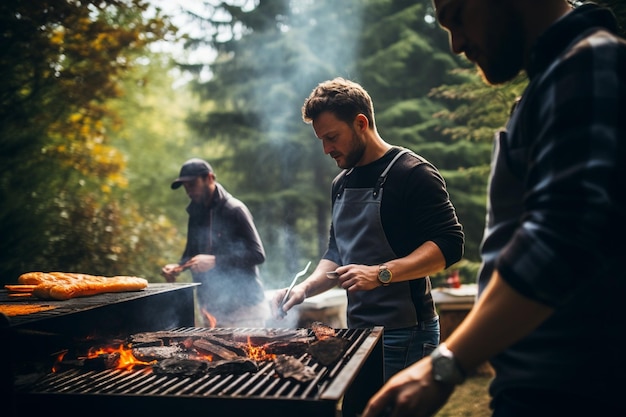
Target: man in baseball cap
{"x":222,"y":253}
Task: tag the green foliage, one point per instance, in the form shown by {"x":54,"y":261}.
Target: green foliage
{"x":468,"y":271}
{"x":481,"y":109}
{"x":253,"y":131}
{"x":468,"y":189}
{"x":269,"y":58}
{"x":60,"y":61}
{"x":102,"y":239}
{"x":92,"y":131}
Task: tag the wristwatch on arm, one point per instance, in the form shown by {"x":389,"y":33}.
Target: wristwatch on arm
{"x":384,"y":275}
{"x":446,"y":369}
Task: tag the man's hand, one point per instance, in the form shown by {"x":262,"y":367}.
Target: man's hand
{"x":358,"y":277}
{"x":201,"y":263}
{"x":296,"y":296}
{"x":170,"y":272}
{"x":410,"y":392}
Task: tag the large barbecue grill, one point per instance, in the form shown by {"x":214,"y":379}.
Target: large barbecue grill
{"x":337,"y":389}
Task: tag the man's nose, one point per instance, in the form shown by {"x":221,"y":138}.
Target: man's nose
{"x":328,"y":147}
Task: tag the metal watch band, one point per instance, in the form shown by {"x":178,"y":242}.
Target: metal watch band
{"x":445,"y":367}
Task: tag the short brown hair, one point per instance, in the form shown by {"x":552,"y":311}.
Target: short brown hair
{"x":344,"y":98}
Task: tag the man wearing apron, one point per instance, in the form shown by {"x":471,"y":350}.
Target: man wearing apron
{"x":392,"y":225}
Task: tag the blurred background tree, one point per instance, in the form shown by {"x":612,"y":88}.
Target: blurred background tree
{"x":60,"y":178}
{"x":271,"y":56}
{"x":95,"y":122}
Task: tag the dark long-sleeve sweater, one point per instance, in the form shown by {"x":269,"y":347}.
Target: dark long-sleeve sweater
{"x":226,"y":230}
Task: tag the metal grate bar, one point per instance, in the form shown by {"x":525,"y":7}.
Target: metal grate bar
{"x":263,"y":383}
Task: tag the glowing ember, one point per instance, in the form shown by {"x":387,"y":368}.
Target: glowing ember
{"x":257,"y":353}
{"x":126,"y":358}
{"x":55,"y":367}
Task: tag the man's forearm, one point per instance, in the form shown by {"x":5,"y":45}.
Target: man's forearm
{"x":425,"y":260}
{"x":317,"y":282}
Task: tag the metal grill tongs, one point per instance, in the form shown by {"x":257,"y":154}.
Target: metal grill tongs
{"x":293,"y":283}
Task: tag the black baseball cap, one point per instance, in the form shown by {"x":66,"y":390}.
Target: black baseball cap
{"x":190,"y":170}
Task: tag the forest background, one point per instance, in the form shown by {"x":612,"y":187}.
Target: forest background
{"x":102,"y":101}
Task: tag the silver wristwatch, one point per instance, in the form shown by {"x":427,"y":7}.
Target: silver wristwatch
{"x":446,"y":369}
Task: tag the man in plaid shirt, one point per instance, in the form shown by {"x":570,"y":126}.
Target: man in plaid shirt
{"x":549,"y":315}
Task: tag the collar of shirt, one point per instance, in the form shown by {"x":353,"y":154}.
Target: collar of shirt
{"x":564,"y":31}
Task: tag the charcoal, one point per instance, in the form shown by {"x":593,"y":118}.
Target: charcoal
{"x":327,"y":351}
{"x":322,"y":331}
{"x":237,"y":347}
{"x":285,"y":347}
{"x":207,"y":347}
{"x":148,"y":354}
{"x":180,"y":367}
{"x":219,"y":332}
{"x":290,"y":367}
{"x":69,"y":364}
{"x":235,"y":367}
{"x":163,"y":337}
{"x":152,"y":338}
{"x":102,"y":361}
{"x":147,"y":343}
{"x":259,"y":337}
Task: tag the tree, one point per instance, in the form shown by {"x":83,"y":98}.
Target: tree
{"x":270,"y":54}
{"x":404,"y":58}
{"x":60,"y":61}
{"x":267,"y":63}
{"x":269,"y":58}
{"x":476,"y":112}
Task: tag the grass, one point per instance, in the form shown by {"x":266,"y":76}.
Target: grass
{"x":470,"y":399}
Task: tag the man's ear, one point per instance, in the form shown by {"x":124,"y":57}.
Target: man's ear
{"x":361,"y":122}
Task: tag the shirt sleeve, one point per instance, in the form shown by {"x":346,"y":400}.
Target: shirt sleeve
{"x":574,"y":199}
{"x":245,"y":246}
{"x":332,"y":252}
{"x":426,"y":214}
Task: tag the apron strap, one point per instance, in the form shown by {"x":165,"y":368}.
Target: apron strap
{"x":383,"y":175}
{"x":344,"y":179}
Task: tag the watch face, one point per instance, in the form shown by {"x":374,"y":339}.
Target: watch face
{"x":384,"y":275}
{"x":445,"y":369}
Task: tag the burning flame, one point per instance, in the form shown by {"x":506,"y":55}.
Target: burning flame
{"x":257,"y":353}
{"x":126,"y":360}
{"x":59,"y":359}
{"x":209,"y":318}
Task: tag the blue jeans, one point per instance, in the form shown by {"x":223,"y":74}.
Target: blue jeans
{"x":402,"y":347}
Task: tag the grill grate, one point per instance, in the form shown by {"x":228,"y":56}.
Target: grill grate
{"x":226,"y":394}
{"x":263,"y":383}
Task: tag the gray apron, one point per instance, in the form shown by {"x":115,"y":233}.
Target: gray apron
{"x":361,"y":240}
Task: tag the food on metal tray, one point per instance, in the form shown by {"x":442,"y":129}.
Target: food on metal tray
{"x":23,"y":310}
{"x":20,"y":288}
{"x":65,"y":285}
